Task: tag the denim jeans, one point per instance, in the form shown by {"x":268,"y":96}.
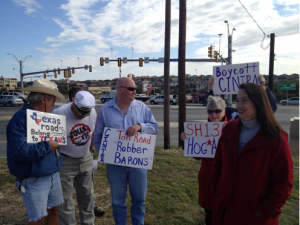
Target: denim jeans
{"x":137,"y":180}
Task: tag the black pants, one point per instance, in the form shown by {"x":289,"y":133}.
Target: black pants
{"x":208,"y":217}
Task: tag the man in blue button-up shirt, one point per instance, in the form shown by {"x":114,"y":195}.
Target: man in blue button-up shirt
{"x":126,"y":113}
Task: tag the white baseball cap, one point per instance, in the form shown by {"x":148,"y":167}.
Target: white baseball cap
{"x":85,"y":100}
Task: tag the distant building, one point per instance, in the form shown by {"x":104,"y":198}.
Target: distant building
{"x":98,"y":90}
{"x":7,"y":84}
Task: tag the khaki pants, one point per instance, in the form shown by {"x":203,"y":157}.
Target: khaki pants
{"x":78,"y":173}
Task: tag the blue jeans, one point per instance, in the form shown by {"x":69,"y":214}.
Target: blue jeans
{"x":40,"y":193}
{"x":137,"y":180}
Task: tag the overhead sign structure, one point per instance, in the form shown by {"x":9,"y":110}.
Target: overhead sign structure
{"x":135,"y":151}
{"x":124,"y":59}
{"x":106,"y":60}
{"x":202,"y":138}
{"x":161,"y":60}
{"x":286,"y":87}
{"x":228,"y":78}
{"x":46,"y":126}
{"x":146,"y":59}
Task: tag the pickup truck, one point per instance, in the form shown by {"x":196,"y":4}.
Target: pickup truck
{"x":141,"y":97}
{"x":109,"y":95}
{"x":160,"y":99}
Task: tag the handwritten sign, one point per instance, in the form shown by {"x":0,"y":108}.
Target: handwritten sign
{"x":228,"y":78}
{"x":46,"y":126}
{"x":202,"y":138}
{"x":119,"y":149}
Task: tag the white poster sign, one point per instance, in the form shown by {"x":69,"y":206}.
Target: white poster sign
{"x":202,"y":138}
{"x":228,"y":78}
{"x":46,"y":126}
{"x":136,"y":151}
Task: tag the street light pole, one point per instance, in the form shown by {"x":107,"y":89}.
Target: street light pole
{"x":132,"y":51}
{"x":78,"y":61}
{"x":220,"y":43}
{"x":196,"y":72}
{"x":21,"y":66}
{"x":111,"y":53}
{"x":61,"y":63}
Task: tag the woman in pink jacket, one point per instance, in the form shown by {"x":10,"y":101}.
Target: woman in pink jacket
{"x":253,"y":170}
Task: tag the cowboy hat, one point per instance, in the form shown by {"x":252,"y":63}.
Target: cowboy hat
{"x":45,"y":86}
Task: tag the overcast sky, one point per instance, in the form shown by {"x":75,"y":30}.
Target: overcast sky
{"x":58,"y":32}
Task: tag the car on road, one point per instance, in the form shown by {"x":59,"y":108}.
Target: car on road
{"x":291,"y":101}
{"x":10,"y":100}
{"x":18,"y":94}
{"x":160,"y":99}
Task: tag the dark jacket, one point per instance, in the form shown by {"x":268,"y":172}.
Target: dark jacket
{"x":252,"y":186}
{"x":28,"y":159}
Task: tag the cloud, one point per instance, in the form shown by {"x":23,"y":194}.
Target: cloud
{"x":30,"y":5}
{"x":287,"y":8}
{"x":287,"y":2}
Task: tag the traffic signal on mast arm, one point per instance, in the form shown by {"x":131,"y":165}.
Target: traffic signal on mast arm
{"x":101,"y":61}
{"x":119,"y":62}
{"x":65,"y":74}
{"x":73,"y":70}
{"x":55,"y":75}
{"x":44,"y":76}
{"x":90,"y":68}
{"x":69,"y":73}
{"x":210,"y":51}
{"x":132,"y":77}
{"x":141,"y":62}
{"x":216,"y":56}
{"x":201,"y":77}
{"x":58,"y":70}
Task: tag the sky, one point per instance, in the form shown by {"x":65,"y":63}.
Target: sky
{"x":68,"y":33}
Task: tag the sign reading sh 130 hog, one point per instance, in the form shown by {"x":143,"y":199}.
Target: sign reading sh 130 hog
{"x":46,"y":126}
{"x":227,"y":79}
{"x":120,"y":149}
{"x":202,"y":138}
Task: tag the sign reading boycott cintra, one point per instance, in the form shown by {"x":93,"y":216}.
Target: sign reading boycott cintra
{"x":120,"y":149}
{"x":228,"y":78}
{"x":46,"y":126}
{"x":202,"y":138}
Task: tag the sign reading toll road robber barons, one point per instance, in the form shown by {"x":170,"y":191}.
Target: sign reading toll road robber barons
{"x":228,"y":78}
{"x":46,"y":126}
{"x":202,"y":138}
{"x":135,"y":151}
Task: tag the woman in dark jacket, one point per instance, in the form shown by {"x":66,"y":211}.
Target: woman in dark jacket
{"x":253,"y":169}
{"x":216,"y":113}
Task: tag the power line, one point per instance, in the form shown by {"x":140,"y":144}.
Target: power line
{"x":262,"y":41}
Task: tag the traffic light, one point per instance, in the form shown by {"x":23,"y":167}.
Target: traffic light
{"x":132,"y":77}
{"x":90,"y":68}
{"x":119,"y":62}
{"x":73,"y":70}
{"x":55,"y":75}
{"x":216,"y":57}
{"x":69,"y":73}
{"x":210,"y":51}
{"x":186,"y":76}
{"x":101,"y":61}
{"x":65,"y":74}
{"x":44,"y":76}
{"x":58,"y":70}
{"x":141,"y":62}
{"x":201,"y":77}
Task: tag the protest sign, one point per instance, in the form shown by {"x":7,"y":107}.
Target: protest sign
{"x":46,"y":126}
{"x":135,"y":151}
{"x":202,"y":138}
{"x":228,"y":78}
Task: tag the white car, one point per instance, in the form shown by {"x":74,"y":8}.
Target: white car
{"x":291,"y":101}
{"x":10,"y":100}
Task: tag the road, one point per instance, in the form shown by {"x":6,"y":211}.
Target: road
{"x":193,"y":113}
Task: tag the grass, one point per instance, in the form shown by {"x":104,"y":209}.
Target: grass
{"x":172,"y":196}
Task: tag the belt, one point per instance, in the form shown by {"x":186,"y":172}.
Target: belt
{"x":70,"y":156}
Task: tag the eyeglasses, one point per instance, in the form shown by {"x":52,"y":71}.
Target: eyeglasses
{"x":216,"y":111}
{"x":129,"y":88}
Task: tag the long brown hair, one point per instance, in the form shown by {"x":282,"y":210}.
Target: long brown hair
{"x":264,"y":113}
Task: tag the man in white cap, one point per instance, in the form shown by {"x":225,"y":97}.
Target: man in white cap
{"x":126,"y":113}
{"x":36,"y":165}
{"x":77,"y":168}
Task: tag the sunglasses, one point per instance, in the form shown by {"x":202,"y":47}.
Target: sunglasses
{"x":216,"y":111}
{"x":129,"y":88}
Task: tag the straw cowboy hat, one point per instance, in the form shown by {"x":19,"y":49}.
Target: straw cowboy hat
{"x":45,"y":86}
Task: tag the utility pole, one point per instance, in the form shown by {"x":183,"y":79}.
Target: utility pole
{"x":132,"y":52}
{"x":271,"y":63}
{"x":181,"y":68}
{"x":167,"y":75}
{"x":21,"y":67}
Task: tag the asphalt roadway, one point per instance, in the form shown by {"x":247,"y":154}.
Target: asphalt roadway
{"x":193,"y":113}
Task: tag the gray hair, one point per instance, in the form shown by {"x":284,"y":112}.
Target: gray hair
{"x":35,"y":97}
{"x":215,"y":101}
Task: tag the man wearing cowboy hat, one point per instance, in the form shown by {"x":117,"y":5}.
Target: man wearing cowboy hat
{"x":77,"y":168}
{"x":36,"y":165}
